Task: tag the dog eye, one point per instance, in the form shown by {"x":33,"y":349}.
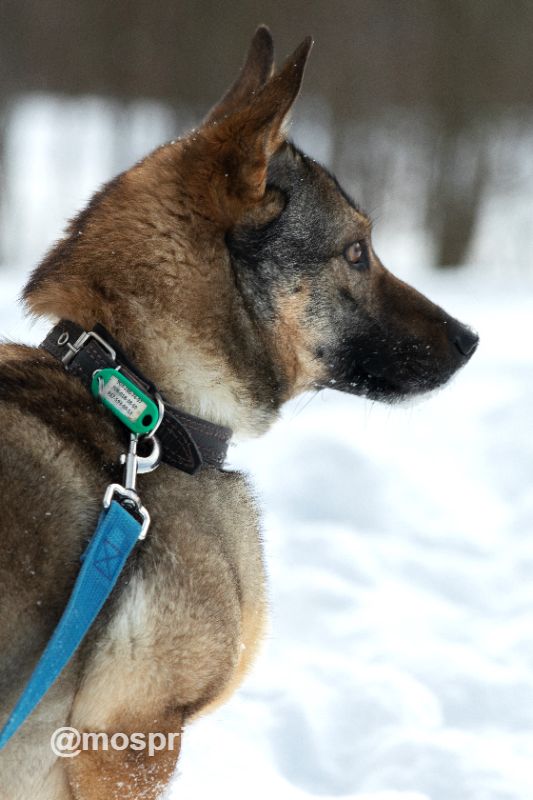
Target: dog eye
{"x":355,"y":254}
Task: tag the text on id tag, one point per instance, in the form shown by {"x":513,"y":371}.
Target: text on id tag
{"x":130,"y":404}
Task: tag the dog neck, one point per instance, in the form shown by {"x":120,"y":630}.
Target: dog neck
{"x":146,"y":262}
{"x":202,"y":383}
{"x":198,"y":379}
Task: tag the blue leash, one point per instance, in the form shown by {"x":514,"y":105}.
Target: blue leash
{"x":111,"y":544}
{"x":102,"y":562}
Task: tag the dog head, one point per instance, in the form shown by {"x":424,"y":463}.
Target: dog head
{"x":239,"y":273}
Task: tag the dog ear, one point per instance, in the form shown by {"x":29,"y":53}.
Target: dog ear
{"x":269,"y":110}
{"x":255,"y":72}
{"x":244,"y":141}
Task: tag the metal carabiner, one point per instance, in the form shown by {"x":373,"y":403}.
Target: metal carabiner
{"x":135,"y":465}
{"x":130,"y":498}
{"x":139,"y":465}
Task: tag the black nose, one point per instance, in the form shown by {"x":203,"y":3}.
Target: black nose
{"x":465,"y":339}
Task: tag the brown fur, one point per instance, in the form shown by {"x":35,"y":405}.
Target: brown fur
{"x":127,"y":775}
{"x":296,"y":342}
{"x":150,"y":259}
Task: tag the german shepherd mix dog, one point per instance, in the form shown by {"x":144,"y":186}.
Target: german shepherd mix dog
{"x":235,"y":273}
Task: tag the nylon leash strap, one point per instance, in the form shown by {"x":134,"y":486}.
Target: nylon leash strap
{"x":120,"y":526}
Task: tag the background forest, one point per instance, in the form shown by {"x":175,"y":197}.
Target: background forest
{"x":424,"y":108}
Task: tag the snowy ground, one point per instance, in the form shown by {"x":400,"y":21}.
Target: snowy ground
{"x":399,"y":663}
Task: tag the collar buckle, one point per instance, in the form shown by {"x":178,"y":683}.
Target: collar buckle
{"x":81,"y":341}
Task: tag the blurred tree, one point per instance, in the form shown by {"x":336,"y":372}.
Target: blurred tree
{"x":472,"y":78}
{"x":459,"y":63}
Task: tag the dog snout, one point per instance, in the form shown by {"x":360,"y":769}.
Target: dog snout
{"x":464,"y":338}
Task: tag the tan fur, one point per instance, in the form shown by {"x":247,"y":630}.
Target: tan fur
{"x":296,"y":341}
{"x":127,"y":775}
{"x":253,"y":628}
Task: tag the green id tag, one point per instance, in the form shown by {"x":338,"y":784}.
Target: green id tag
{"x":132,"y":406}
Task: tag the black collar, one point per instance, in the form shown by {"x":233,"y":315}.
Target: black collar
{"x":188,"y":443}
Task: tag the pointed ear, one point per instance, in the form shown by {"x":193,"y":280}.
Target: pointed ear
{"x":255,"y":72}
{"x":245,"y":140}
{"x":272,"y":105}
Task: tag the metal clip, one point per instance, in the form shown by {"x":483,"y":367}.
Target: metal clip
{"x":139,"y":465}
{"x":131,"y":499}
{"x":134,"y":465}
{"x":161,"y":410}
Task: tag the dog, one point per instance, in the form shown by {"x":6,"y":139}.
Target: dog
{"x":236,"y":273}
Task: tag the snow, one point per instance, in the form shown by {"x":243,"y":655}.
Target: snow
{"x":399,"y":662}
{"x":400,"y":659}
